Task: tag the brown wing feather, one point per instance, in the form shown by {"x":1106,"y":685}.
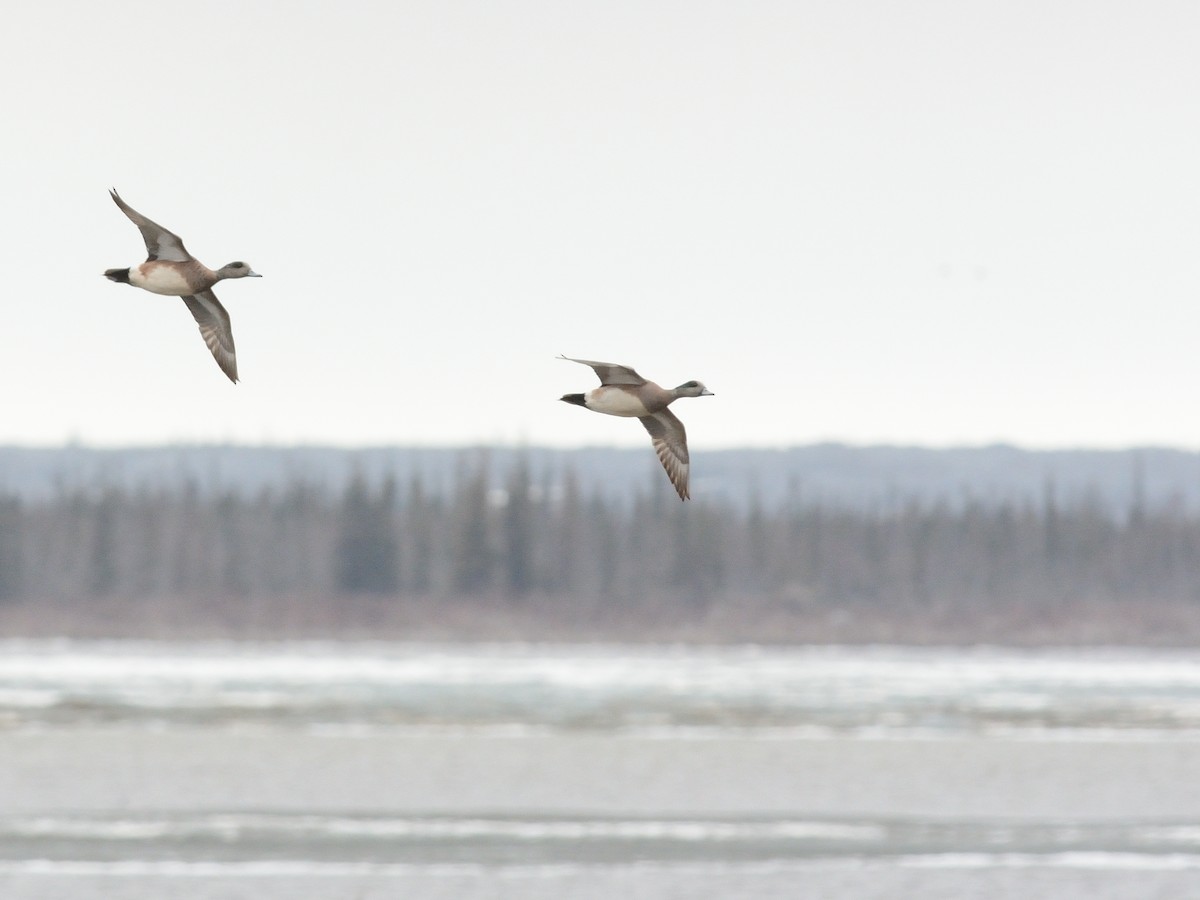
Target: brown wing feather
{"x":216,"y":329}
{"x":610,"y":373}
{"x":670,"y":443}
{"x":160,"y":243}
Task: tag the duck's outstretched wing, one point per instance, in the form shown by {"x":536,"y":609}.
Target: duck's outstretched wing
{"x":160,"y":243}
{"x":670,"y":443}
{"x":610,"y":373}
{"x":216,"y":330}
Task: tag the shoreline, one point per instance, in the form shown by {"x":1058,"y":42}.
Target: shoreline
{"x":545,"y":619}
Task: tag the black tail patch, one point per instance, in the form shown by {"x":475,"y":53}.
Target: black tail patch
{"x":577,"y":399}
{"x":120,"y":275}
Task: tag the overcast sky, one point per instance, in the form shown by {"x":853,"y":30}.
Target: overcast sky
{"x":923,"y":222}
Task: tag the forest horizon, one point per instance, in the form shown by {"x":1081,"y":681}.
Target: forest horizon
{"x":506,"y":552}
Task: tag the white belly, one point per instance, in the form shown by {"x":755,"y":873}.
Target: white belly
{"x":160,"y":280}
{"x":614,"y":402}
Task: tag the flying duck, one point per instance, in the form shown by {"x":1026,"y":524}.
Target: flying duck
{"x":169,"y":269}
{"x":623,"y":392}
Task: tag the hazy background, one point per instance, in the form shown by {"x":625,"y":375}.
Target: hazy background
{"x":234,"y":666}
{"x":929,"y":222}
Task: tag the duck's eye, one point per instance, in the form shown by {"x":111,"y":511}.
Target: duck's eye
{"x":692,"y":384}
{"x":237,"y":265}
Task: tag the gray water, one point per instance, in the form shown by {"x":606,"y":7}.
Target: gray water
{"x":144,"y":770}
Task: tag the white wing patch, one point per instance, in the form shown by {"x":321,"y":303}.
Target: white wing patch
{"x":169,"y":246}
{"x":161,"y":243}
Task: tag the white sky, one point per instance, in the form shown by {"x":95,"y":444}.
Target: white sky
{"x":922,"y":222}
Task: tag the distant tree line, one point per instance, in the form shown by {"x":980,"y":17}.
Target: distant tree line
{"x":504,"y":543}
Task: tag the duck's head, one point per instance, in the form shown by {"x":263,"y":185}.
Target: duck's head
{"x":693,"y":389}
{"x":237,"y":269}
